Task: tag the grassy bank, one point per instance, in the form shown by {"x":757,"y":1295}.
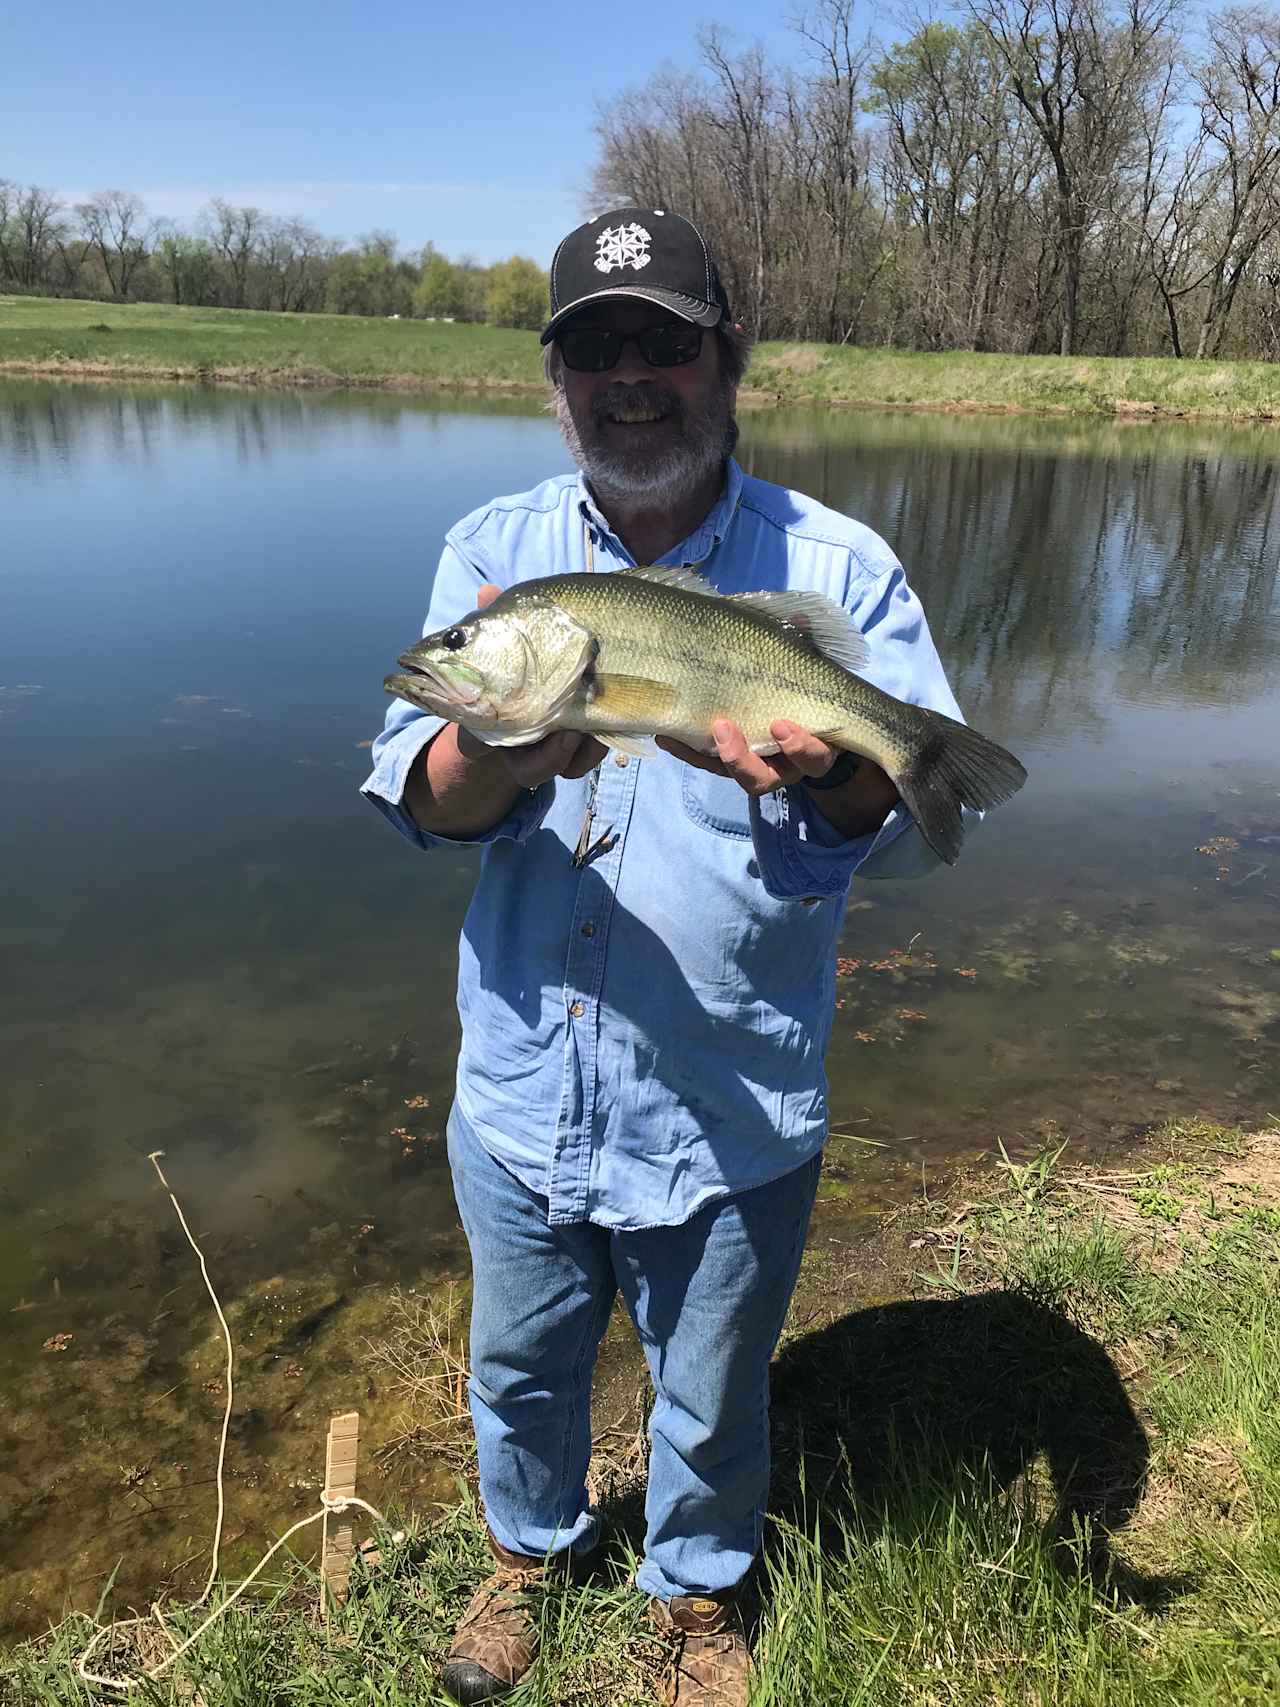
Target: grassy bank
{"x":1028,"y":1451}
{"x":41,"y":335}
{"x":44,"y":336}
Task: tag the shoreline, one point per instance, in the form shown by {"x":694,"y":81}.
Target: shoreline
{"x":1128,"y":1465}
{"x":45,"y":338}
{"x":749,"y":397}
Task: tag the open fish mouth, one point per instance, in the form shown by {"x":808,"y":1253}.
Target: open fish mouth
{"x":451,"y":688}
{"x":415,"y":666}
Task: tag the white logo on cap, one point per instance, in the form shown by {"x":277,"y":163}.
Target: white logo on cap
{"x":622,"y":246}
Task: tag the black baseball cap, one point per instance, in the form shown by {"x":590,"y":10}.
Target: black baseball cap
{"x":637,"y":251}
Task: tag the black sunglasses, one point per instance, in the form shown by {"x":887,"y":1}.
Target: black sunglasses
{"x":591,"y":349}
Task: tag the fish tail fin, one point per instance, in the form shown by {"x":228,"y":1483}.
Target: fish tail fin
{"x":954,"y":767}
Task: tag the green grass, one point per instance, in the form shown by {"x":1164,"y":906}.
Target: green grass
{"x":1075,"y":385}
{"x":153,"y":340}
{"x":1051,"y":1477}
{"x":45,"y":335}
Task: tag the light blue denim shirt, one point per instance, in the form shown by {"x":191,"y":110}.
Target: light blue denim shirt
{"x":645,"y":1035}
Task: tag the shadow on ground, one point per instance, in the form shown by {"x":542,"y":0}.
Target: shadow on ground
{"x":891,"y":1407}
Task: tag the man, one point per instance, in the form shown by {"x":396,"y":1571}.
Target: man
{"x":640,"y":1098}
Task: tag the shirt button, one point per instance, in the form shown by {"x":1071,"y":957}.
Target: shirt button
{"x":577,"y":1010}
{"x":588,"y":930}
{"x":620,"y":759}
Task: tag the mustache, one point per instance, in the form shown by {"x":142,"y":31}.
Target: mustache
{"x":649,"y":395}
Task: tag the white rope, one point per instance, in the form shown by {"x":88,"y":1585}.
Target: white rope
{"x":328,"y":1503}
{"x":154,"y":1159}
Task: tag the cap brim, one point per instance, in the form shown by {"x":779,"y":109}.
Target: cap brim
{"x":690,"y":308}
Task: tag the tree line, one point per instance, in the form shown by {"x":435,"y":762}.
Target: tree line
{"x":241,"y":257}
{"x":1078,"y":176}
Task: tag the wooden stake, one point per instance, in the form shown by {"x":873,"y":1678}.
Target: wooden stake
{"x":338,"y":1544}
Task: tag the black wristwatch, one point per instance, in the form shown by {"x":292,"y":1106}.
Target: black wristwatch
{"x":839,"y":773}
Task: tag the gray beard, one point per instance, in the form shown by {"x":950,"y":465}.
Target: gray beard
{"x":707,"y":437}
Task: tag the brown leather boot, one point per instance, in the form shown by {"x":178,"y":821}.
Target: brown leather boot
{"x":496,"y":1639}
{"x":709,"y":1666}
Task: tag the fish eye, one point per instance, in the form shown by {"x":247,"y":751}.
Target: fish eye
{"x":455,"y":639}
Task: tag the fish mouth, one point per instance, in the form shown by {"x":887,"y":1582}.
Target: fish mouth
{"x":415,"y":666}
{"x":426,"y":680}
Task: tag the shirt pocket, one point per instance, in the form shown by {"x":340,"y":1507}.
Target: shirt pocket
{"x":716,"y":803}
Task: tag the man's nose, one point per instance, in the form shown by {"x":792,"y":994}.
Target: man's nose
{"x":632,"y":366}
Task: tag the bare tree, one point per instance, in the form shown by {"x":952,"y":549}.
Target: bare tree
{"x":1079,"y":72}
{"x":37,"y":225}
{"x":235,"y":233}
{"x":1239,"y":88}
{"x":9,"y":193}
{"x":293,"y":254}
{"x":745,"y":157}
{"x":112,"y":225}
{"x":1175,"y":225}
{"x":1135,"y":211}
{"x":828,"y":157}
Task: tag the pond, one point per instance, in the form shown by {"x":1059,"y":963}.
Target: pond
{"x":213,"y":947}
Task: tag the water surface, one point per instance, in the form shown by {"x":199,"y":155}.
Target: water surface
{"x":214,"y":948}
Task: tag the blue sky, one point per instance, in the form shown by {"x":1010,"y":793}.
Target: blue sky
{"x":466,"y":124}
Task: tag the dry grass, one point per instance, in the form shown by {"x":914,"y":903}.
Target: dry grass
{"x":423,"y":1359}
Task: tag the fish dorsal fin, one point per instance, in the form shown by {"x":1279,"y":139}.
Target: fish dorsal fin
{"x":685,"y":580}
{"x":827,"y":626}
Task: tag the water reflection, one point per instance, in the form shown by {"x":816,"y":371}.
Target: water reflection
{"x":47,"y":426}
{"x":1060,"y":565}
{"x":1055,"y":579}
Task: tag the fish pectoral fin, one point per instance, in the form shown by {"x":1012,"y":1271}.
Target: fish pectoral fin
{"x":826,"y":625}
{"x":632,"y":699}
{"x":638,"y":746}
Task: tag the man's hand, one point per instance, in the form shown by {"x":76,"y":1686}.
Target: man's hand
{"x":565,"y":753}
{"x":857,"y":808}
{"x":800,"y":755}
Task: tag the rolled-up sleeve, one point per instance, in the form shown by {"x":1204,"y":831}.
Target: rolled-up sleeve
{"x":800,"y":852}
{"x":408,"y":730}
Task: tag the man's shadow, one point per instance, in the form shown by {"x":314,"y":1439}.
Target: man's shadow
{"x":883,"y":1413}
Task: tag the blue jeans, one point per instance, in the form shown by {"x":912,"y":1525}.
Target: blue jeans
{"x":707,"y":1299}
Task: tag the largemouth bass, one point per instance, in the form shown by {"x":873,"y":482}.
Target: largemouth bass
{"x":636,"y":653}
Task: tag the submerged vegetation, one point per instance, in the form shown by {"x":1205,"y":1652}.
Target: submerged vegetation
{"x":43,"y":336}
{"x":1044,"y":1468}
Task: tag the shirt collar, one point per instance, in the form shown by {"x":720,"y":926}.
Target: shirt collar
{"x":704,"y":538}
